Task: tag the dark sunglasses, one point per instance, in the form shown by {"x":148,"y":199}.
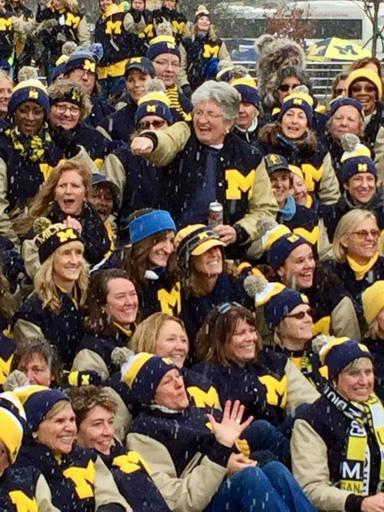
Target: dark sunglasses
{"x":301,"y":314}
{"x":146,"y":125}
{"x":365,"y":88}
{"x":340,"y":91}
{"x":287,"y":87}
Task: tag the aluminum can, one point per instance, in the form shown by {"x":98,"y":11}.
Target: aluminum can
{"x":215,"y":214}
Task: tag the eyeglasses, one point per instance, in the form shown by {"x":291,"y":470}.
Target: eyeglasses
{"x":363,"y":234}
{"x":223,"y":308}
{"x":167,"y":64}
{"x":363,"y":88}
{"x":210,"y":116}
{"x":287,"y":87}
{"x":146,"y":125}
{"x":301,"y":314}
{"x":62,"y":109}
{"x":340,"y":91}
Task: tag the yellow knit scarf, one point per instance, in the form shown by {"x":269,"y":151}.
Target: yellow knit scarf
{"x":361,"y":270}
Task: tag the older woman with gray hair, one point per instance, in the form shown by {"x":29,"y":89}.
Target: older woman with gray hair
{"x":214,"y":165}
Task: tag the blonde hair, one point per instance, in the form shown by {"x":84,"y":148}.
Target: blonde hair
{"x":42,"y":203}
{"x":345,"y":227}
{"x":147,"y":332}
{"x":45,"y":287}
{"x":356,"y":364}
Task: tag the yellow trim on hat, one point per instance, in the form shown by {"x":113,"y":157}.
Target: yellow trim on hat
{"x":247,"y":81}
{"x":306,"y":98}
{"x":169,"y":40}
{"x":296,"y":170}
{"x":334,"y":342}
{"x":134,"y":369}
{"x":373,"y":301}
{"x":268,"y":292}
{"x":155,"y":96}
{"x":206,"y":245}
{"x":30,"y":83}
{"x":271,"y":236}
{"x":11,"y":432}
{"x":25,"y":392}
{"x":365,"y":74}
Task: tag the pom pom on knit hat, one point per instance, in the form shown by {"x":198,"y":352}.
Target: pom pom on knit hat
{"x":143,"y":372}
{"x":373,"y":301}
{"x":356,"y":158}
{"x":339,"y":352}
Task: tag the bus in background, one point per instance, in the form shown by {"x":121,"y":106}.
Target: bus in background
{"x":345,"y":19}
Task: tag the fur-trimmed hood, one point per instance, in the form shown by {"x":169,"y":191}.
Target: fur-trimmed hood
{"x":274,"y":54}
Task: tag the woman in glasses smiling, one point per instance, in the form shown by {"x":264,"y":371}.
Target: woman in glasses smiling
{"x":356,"y":251}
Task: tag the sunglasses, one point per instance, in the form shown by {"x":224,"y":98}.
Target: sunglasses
{"x":340,"y":91}
{"x":364,"y":234}
{"x":287,"y":87}
{"x":301,"y":314}
{"x":366,"y":88}
{"x":146,"y":125}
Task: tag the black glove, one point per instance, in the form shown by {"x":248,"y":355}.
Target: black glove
{"x":111,"y":507}
{"x":66,"y":140}
{"x":187,"y":90}
{"x":136,"y":15}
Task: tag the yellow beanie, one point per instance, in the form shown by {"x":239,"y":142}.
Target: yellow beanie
{"x":373,"y":301}
{"x":365,"y":74}
{"x":12,"y":425}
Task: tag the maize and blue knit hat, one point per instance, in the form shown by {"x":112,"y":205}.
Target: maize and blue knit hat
{"x":365,"y":74}
{"x":278,"y":301}
{"x":12,"y":421}
{"x":360,"y":164}
{"x":279,"y":242}
{"x":248,"y":90}
{"x":298,"y":100}
{"x":143,"y":372}
{"x":154,"y":103}
{"x":81,"y":59}
{"x":29,"y":90}
{"x":38,"y":401}
{"x":339,"y":352}
{"x":342,"y":102}
{"x":162,"y":44}
{"x":149,"y":224}
{"x":52,"y":236}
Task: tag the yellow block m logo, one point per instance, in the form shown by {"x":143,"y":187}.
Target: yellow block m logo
{"x":210,"y":51}
{"x":72,"y":20}
{"x":276,"y":390}
{"x":66,"y":235}
{"x":5,"y":24}
{"x":113,"y":27}
{"x":83,"y":478}
{"x":170,"y":302}
{"x":204,"y":398}
{"x":237,"y":183}
{"x":22,"y":502}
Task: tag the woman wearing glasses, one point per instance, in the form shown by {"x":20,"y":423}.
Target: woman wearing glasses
{"x":357,"y":261}
{"x":136,"y":178}
{"x":70,"y":106}
{"x":267,"y":383}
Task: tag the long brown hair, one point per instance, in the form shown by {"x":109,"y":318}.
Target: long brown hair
{"x":269,"y":135}
{"x":98,"y":321}
{"x":42,"y":203}
{"x":217,"y":330}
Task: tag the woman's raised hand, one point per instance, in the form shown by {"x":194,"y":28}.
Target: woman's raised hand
{"x":231,"y":427}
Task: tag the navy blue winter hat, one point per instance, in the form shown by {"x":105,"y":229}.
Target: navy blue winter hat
{"x":162,"y":44}
{"x":143,"y":372}
{"x":248,"y":90}
{"x":149,"y":224}
{"x":154,"y":103}
{"x":142,"y":64}
{"x":28,"y":90}
{"x":38,"y":401}
{"x":356,"y":165}
{"x":279,"y":242}
{"x":282,"y":304}
{"x":298,"y":100}
{"x":339,"y":352}
{"x":342,"y":102}
{"x":81,"y":59}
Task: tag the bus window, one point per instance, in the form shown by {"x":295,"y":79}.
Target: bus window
{"x":345,"y":29}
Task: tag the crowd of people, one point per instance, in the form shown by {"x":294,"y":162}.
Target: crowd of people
{"x":192,"y":272}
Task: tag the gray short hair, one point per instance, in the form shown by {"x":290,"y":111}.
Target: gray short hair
{"x":346,"y":225}
{"x":226,"y":96}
